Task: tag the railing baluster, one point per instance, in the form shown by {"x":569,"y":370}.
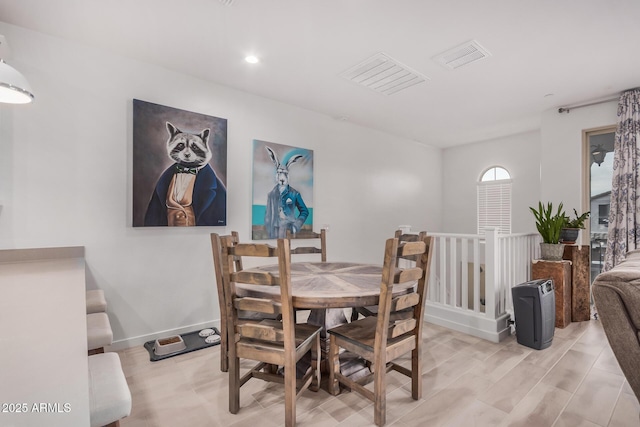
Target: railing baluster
{"x":518,"y":272}
{"x":492,"y":272}
{"x":455,"y":284}
{"x":476,"y":275}
{"x":502,"y":243}
{"x":443,"y":271}
{"x":464,"y":259}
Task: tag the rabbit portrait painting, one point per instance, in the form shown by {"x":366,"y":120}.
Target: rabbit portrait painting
{"x":286,"y":207}
{"x":282,"y":202}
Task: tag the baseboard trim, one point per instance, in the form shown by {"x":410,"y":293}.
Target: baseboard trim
{"x":476,"y":325}
{"x":471,"y":323}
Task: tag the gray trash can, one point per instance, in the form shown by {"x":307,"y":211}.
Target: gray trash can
{"x":534,"y":308}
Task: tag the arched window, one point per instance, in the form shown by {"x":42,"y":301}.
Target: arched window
{"x":494,"y":200}
{"x":495,"y":173}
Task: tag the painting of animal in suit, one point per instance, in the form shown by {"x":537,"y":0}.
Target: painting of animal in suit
{"x":179,"y":167}
{"x":282,"y":190}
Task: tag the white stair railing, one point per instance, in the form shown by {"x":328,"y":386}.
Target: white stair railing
{"x":471,"y":278}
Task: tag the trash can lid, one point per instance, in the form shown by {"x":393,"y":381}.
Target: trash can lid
{"x":534,"y":283}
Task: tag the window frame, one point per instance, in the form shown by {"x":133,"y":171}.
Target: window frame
{"x":494,"y":202}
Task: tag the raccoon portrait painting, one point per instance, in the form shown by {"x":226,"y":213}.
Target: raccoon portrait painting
{"x":188,"y":193}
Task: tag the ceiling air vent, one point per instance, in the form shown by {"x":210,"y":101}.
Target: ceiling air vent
{"x":462,"y":55}
{"x":227,"y":2}
{"x":383,"y":74}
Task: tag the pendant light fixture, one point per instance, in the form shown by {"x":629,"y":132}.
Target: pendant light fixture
{"x":14,"y":88}
{"x":598,"y":154}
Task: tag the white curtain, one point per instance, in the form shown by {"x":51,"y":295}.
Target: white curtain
{"x":624,"y":216}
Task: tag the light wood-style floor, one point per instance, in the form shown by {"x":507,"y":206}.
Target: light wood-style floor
{"x":467,"y":382}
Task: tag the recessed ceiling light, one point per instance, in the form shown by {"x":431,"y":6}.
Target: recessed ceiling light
{"x":251,"y":59}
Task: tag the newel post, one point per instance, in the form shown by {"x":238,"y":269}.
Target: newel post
{"x":492,"y":265}
{"x":406,"y":229}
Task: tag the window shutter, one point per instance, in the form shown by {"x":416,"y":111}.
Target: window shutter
{"x":494,"y":206}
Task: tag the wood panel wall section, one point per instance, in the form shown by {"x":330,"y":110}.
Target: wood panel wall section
{"x":580,"y":283}
{"x":560,"y":272}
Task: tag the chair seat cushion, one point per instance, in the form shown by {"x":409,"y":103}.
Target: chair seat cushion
{"x":99,"y":333}
{"x":96,"y":302}
{"x":109,"y":394}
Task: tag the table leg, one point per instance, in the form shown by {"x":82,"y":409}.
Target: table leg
{"x":350,"y":366}
{"x":327,"y":319}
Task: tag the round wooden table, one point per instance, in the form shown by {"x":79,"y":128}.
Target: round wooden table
{"x":326,"y":285}
{"x":327,"y":288}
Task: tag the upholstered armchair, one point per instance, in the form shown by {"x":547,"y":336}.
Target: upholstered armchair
{"x":617,"y":297}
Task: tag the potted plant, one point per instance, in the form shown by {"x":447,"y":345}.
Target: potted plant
{"x":549,"y":225}
{"x":572,"y":226}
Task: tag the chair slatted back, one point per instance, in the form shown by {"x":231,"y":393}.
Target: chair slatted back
{"x":307,"y":247}
{"x":408,"y":237}
{"x":264,"y":338}
{"x":237,"y":261}
{"x":404,"y":321}
{"x":267,"y":330}
{"x":234,"y":239}
{"x":406,"y":255}
{"x":397,"y":331}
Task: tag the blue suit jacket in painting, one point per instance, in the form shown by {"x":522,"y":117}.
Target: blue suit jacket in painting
{"x":209,"y":199}
{"x":287,"y":202}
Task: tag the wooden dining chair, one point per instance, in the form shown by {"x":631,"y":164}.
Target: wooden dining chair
{"x":298,"y":247}
{"x":380,"y":340}
{"x":234,"y":239}
{"x":270,"y":342}
{"x":402,"y":237}
{"x":303,"y":243}
{"x":409,"y":237}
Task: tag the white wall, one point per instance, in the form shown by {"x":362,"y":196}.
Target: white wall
{"x":66,"y":179}
{"x":562,"y":153}
{"x":463,"y":167}
{"x":546,"y":165}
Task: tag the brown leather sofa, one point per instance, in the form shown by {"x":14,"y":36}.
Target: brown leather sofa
{"x":617,"y":297}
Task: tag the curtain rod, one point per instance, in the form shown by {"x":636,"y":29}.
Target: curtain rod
{"x":602,"y":101}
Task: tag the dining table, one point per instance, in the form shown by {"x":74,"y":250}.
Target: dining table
{"x":327,"y":285}
{"x":327,"y":288}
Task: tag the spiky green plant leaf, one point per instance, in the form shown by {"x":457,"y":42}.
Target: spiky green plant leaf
{"x":549,"y":223}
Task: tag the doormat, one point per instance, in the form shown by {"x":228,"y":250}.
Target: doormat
{"x":193,"y":341}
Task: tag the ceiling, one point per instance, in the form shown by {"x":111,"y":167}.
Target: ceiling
{"x":543,"y":53}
